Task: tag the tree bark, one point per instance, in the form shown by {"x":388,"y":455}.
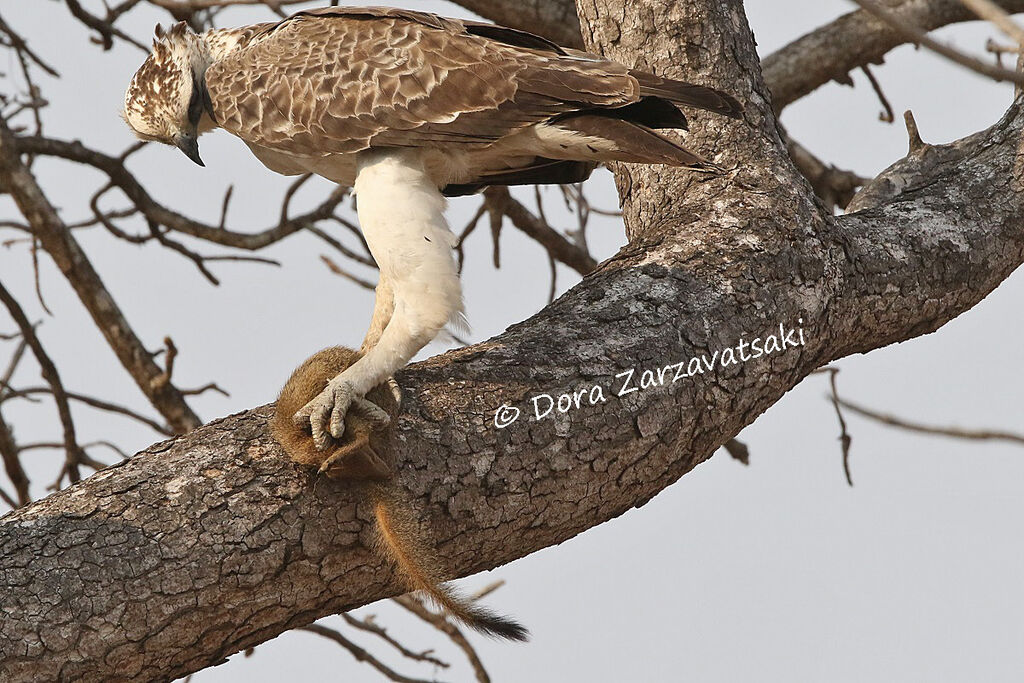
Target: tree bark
{"x":212,"y":542}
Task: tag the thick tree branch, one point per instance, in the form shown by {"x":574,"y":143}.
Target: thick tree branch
{"x":832,"y":51}
{"x":215,"y":539}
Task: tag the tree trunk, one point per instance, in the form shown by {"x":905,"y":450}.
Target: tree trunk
{"x":213,"y":542}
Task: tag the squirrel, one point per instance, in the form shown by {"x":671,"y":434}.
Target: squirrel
{"x":359,"y":456}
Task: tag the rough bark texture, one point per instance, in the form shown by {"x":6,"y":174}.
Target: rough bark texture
{"x":213,"y":542}
{"x":554,"y":19}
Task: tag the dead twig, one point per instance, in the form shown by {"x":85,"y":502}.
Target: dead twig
{"x":370,"y":626}
{"x":73,"y":452}
{"x":338,"y":270}
{"x":991,"y":12}
{"x":441,"y":623}
{"x":919,"y":36}
{"x":886,"y":116}
{"x":58,"y":241}
{"x":499,"y":200}
{"x":954,"y":432}
{"x":844,"y":437}
{"x":359,"y":653}
{"x":91,"y":401}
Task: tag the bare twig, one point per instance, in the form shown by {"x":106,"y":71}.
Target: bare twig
{"x":494,"y":222}
{"x":12,"y":465}
{"x":93,"y":402}
{"x":501,"y":201}
{"x":440,"y":622}
{"x":366,"y":260}
{"x":844,"y":437}
{"x":156,"y":213}
{"x":209,"y":386}
{"x":833,"y":50}
{"x":19,"y":44}
{"x":12,"y":366}
{"x":73,"y":452}
{"x":74,"y":264}
{"x":886,"y":116}
{"x":370,"y":626}
{"x":359,"y":653}
{"x":1000,"y":50}
{"x":338,"y":270}
{"x":6,"y":497}
{"x":955,"y":432}
{"x":104,"y":27}
{"x":920,"y":36}
{"x":224,"y":207}
{"x":553,"y":288}
{"x":289,"y":193}
{"x":467,"y":231}
{"x":989,"y":11}
{"x":916,"y":144}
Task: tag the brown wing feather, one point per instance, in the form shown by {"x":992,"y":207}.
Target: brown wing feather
{"x":345,"y":79}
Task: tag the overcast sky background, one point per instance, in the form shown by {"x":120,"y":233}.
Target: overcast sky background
{"x":773,"y":572}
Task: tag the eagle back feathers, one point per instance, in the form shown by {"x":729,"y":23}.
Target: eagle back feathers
{"x":341,"y":80}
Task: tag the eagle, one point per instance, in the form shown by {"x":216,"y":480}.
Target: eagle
{"x":407,"y":108}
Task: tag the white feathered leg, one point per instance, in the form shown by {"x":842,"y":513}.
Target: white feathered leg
{"x":383,"y":308}
{"x":401,"y":214}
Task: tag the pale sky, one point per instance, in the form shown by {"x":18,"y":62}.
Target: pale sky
{"x":773,"y":572}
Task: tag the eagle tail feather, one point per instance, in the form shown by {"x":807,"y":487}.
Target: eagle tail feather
{"x":687,"y":94}
{"x":541,"y":172}
{"x":612,"y":139}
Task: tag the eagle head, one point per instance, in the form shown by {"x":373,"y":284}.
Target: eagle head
{"x":167,"y":96}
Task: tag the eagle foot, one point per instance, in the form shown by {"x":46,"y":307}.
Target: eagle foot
{"x":325,"y":414}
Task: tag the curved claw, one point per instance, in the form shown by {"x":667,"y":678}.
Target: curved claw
{"x":376,"y":415}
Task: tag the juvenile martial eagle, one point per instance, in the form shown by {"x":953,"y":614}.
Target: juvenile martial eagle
{"x":406,"y":107}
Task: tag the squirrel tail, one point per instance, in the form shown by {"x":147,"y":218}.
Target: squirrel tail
{"x":397,"y":540}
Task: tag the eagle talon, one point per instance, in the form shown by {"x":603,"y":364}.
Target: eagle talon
{"x":377,"y":416}
{"x":326,"y":413}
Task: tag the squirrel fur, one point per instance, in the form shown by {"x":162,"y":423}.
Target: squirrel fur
{"x":362,"y":456}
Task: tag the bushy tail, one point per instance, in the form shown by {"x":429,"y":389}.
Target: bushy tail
{"x":398,"y":541}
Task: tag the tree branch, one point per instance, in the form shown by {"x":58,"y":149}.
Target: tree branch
{"x":501,"y":203}
{"x":832,"y":51}
{"x":217,"y":540}
{"x":57,"y":240}
{"x":158,"y":214}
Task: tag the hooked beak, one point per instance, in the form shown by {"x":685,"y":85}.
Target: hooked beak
{"x":188,"y":144}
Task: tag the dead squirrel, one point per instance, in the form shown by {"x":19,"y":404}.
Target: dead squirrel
{"x":358,"y":457}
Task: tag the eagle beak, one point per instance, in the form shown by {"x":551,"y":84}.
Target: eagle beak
{"x":188,"y":144}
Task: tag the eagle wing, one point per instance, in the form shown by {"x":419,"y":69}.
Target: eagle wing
{"x":340,"y":80}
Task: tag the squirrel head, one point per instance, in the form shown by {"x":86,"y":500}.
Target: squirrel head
{"x":364,"y":451}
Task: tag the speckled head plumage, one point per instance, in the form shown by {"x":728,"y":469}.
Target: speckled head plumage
{"x":166,"y":98}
